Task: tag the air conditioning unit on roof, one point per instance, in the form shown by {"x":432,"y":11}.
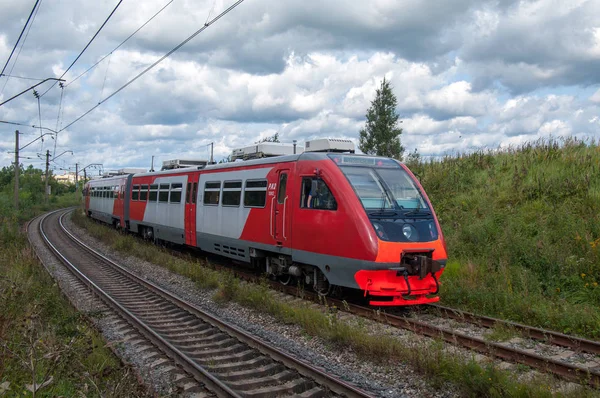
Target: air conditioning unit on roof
{"x":329,"y":145}
{"x":263,"y":150}
{"x":181,"y":163}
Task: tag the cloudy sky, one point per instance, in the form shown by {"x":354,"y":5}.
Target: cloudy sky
{"x":468,"y":74}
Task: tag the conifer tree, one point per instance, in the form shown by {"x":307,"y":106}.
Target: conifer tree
{"x":381,"y":134}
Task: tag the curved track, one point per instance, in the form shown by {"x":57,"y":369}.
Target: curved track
{"x":225,"y":359}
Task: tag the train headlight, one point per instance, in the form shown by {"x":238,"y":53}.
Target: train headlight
{"x":409,"y":232}
{"x":380,"y":231}
{"x":433,"y":231}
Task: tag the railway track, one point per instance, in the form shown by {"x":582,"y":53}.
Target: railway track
{"x":223,"y":359}
{"x":563,"y":364}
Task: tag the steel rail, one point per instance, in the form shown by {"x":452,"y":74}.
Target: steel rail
{"x":304,"y":368}
{"x":564,"y":340}
{"x":211,"y":382}
{"x":564,"y":370}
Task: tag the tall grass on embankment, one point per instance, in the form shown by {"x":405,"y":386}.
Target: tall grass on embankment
{"x":523,"y":232}
{"x":43,"y":339}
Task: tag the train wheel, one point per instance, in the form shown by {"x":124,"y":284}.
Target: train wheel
{"x":285,"y":279}
{"x":322,"y":285}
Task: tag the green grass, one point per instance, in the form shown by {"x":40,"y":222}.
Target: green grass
{"x":522,"y":227}
{"x":41,"y":336}
{"x":430,"y":359}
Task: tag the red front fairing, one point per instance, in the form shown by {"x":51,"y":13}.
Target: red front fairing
{"x":389,"y":287}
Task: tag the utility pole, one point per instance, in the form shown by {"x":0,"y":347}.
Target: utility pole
{"x":212,"y":144}
{"x":76,"y":180}
{"x":17,"y":170}
{"x":152,"y":164}
{"x":47,"y":167}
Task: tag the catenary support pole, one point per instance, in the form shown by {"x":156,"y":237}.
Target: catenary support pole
{"x":46,"y":184}
{"x":16,"y":170}
{"x":76,"y":177}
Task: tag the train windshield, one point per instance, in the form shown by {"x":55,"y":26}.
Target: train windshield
{"x":381,"y":184}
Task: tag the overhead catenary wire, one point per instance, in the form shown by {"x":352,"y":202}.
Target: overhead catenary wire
{"x":196,"y":33}
{"x":105,"y":76}
{"x":120,"y":44}
{"x":22,"y":77}
{"x":20,"y":35}
{"x":86,"y":46}
{"x":22,"y":44}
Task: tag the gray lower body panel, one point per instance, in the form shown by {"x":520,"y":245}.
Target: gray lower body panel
{"x":169,"y":234}
{"x":104,"y":217}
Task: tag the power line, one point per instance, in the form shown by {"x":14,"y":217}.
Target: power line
{"x":117,"y":47}
{"x":87,"y":45}
{"x":206,"y":25}
{"x":21,"y":48}
{"x":21,"y":77}
{"x":19,"y":39}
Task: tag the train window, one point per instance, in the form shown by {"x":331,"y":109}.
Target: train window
{"x":153,"y":194}
{"x":282,"y":183}
{"x":176,"y":193}
{"x":255,"y":193}
{"x":163,"y":196}
{"x":232,"y":193}
{"x":188,"y":192}
{"x":315,"y":194}
{"x":144,"y":193}
{"x":256,"y":184}
{"x":135,"y":192}
{"x":164,"y":186}
{"x":195,"y":193}
{"x":211,"y":192}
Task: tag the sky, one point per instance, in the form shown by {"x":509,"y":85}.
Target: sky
{"x":468,"y":75}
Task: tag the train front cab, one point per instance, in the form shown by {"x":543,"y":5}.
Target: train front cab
{"x":410,"y":249}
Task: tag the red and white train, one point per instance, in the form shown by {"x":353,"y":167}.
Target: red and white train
{"x":328,"y":219}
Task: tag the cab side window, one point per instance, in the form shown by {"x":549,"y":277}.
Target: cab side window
{"x":315,"y":194}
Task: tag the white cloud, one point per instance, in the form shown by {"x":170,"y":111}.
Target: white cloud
{"x":466,"y":74}
{"x":596,"y":97}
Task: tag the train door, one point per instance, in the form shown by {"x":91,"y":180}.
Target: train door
{"x":280,"y":209}
{"x":191,"y":194}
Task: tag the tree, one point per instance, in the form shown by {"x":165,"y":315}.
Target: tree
{"x":381,"y":135}
{"x":273,"y":138}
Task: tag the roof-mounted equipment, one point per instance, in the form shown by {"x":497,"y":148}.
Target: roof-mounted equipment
{"x":330,"y":145}
{"x":182,"y":163}
{"x":264,"y":150}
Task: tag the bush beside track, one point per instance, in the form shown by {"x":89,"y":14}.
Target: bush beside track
{"x":523,"y":232}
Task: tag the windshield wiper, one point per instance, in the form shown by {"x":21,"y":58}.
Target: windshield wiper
{"x":382,"y":212}
{"x":418,"y":212}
